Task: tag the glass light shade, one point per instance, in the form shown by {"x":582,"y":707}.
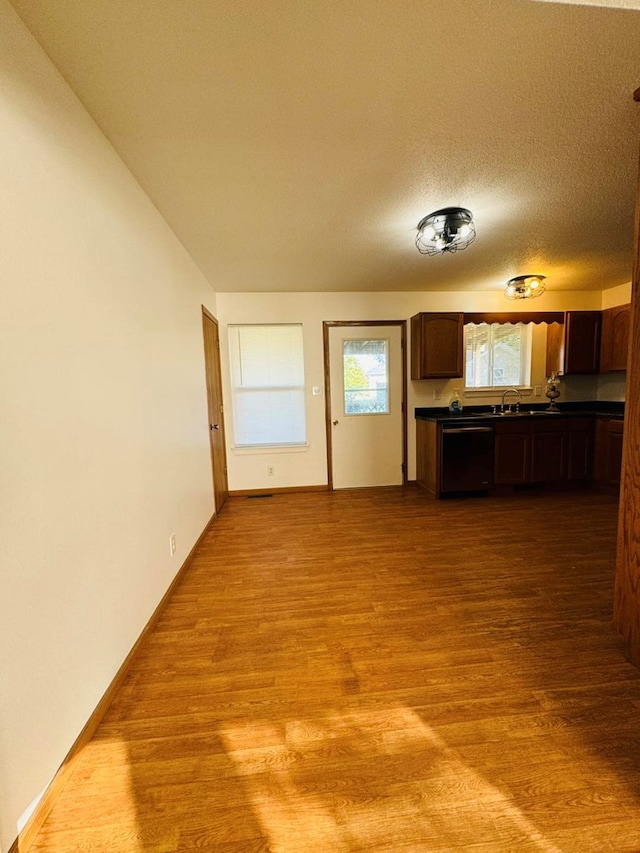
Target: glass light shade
{"x":525,"y":287}
{"x":448,"y":230}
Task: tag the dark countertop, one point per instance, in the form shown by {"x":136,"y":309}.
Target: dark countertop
{"x":471,"y":414}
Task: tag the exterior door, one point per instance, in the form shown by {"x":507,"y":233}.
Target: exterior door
{"x":366,"y":428}
{"x":215,"y":408}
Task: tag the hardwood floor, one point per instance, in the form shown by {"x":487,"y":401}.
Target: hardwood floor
{"x":375,"y":671}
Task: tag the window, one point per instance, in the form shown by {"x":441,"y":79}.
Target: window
{"x":366,"y":377}
{"x":267,"y":385}
{"x":497,"y":355}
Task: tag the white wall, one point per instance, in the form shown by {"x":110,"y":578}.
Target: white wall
{"x":616,"y":296}
{"x":104,"y":450}
{"x":309,"y":468}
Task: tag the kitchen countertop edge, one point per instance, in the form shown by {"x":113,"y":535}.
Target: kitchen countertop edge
{"x":469,"y":414}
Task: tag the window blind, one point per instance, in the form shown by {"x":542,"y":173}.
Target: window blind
{"x":268,"y":393}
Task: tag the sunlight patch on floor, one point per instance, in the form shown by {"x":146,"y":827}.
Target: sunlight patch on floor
{"x":376,"y":780}
{"x":113,"y":802}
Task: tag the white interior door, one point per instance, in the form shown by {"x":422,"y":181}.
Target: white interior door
{"x":366,"y":379}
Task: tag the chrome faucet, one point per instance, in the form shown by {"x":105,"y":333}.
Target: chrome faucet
{"x":511,"y":391}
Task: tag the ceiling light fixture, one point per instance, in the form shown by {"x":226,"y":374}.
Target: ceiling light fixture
{"x":448,"y":230}
{"x":525,"y":287}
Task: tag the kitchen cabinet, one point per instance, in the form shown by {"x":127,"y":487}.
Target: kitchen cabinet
{"x":615,"y":338}
{"x":527,"y":449}
{"x":580,"y":436}
{"x":548,"y":454}
{"x":436,"y":346}
{"x":545,"y":449}
{"x":574,"y":348}
{"x":512,"y":452}
{"x":428,"y":456}
{"x":608,"y":452}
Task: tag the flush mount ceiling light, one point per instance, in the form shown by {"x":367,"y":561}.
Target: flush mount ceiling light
{"x":448,"y":230}
{"x":524,"y":287}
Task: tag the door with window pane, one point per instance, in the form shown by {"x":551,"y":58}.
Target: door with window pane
{"x":366,"y":381}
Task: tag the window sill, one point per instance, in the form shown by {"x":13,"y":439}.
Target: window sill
{"x":260,"y":450}
{"x":497,"y":391}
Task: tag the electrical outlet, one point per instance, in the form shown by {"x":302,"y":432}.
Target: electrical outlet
{"x":437,"y":394}
{"x":270,"y":470}
{"x":172,"y":544}
{"x":538,"y":390}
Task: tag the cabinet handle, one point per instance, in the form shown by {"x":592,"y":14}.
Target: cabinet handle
{"x":466,"y":429}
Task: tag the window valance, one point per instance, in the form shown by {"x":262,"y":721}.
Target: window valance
{"x":514,"y":317}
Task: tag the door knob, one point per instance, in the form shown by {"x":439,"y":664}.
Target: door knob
{"x":334,"y":423}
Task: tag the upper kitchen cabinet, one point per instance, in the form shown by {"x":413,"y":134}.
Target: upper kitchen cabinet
{"x":615,"y":338}
{"x":436,"y":346}
{"x":575,"y":347}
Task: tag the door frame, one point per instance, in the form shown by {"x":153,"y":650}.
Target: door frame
{"x":328,"y":324}
{"x":213,"y":376}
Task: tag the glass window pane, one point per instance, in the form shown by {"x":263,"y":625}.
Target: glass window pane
{"x":506,"y":355}
{"x":478,"y":351}
{"x":366,"y":377}
{"x":497,"y":355}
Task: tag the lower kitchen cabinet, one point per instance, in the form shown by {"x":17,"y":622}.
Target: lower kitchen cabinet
{"x":539,"y":449}
{"x":548,"y":449}
{"x":608,"y":452}
{"x":548,"y":454}
{"x":580,"y":455}
{"x":512,"y":453}
{"x":428,"y":456}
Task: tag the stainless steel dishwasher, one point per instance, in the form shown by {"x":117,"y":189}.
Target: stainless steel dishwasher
{"x":466,"y":463}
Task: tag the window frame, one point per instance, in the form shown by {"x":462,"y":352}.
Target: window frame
{"x":526,"y":358}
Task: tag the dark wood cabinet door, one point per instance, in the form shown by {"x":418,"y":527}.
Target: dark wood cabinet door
{"x":436,"y":346}
{"x":614,"y":456}
{"x":428,"y":455}
{"x":511,"y":458}
{"x":615,"y":338}
{"x":555,"y":349}
{"x":608,"y":452}
{"x":548,"y":456}
{"x":575,"y":347}
{"x":582,"y":341}
{"x":580,"y":451}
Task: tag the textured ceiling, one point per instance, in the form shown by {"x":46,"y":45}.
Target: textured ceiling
{"x":293,"y":145}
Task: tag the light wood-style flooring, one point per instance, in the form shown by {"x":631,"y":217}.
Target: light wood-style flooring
{"x":375,"y":671}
